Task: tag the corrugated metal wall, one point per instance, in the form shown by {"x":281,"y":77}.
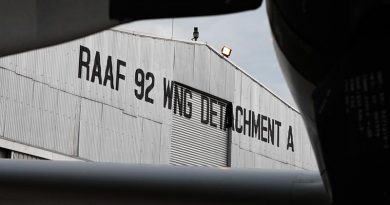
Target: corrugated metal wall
{"x":44,"y":103}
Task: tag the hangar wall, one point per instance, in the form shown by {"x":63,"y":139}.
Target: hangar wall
{"x":106,"y":98}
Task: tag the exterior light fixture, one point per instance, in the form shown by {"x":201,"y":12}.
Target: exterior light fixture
{"x":195,"y":34}
{"x":226,"y":51}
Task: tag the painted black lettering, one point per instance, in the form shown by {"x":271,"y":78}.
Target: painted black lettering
{"x":187,"y":103}
{"x":167,"y":93}
{"x":108,"y":74}
{"x":212,"y":112}
{"x":290,"y":140}
{"x":263,"y":128}
{"x":233,"y":126}
{"x":82,"y":63}
{"x":178,"y":100}
{"x":140,"y":82}
{"x":221,"y":121}
{"x":247,"y":122}
{"x":204,"y":118}
{"x":139,"y":79}
{"x":119,"y":63}
{"x":238,"y":128}
{"x":229,"y":116}
{"x":278,"y":124}
{"x":97,"y":69}
{"x":271,"y":136}
{"x":256,"y":125}
{"x":149,"y":88}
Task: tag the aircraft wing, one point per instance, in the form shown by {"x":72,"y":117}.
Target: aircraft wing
{"x":32,"y":24}
{"x":50,"y":182}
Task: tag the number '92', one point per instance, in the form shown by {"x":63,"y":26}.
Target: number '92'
{"x":140,"y":78}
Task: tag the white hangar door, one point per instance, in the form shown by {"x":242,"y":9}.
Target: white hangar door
{"x":199,"y":133}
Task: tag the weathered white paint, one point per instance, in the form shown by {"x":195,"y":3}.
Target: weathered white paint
{"x":44,"y":104}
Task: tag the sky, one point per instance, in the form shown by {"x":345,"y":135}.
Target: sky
{"x":247,"y":34}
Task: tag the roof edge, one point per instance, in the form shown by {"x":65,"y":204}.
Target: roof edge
{"x":136,"y":33}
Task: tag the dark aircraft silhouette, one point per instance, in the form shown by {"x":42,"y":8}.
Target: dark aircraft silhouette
{"x":334,"y":57}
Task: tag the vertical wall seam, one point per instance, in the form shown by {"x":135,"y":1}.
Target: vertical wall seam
{"x":100,"y":135}
{"x":159,"y":153}
{"x":78,"y":130}
{"x":56,"y":123}
{"x":174,"y":59}
{"x":193,"y":65}
{"x":141,"y":141}
{"x":209,"y":74}
{"x":32,"y":107}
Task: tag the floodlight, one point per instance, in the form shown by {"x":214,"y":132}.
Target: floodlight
{"x":226,"y":51}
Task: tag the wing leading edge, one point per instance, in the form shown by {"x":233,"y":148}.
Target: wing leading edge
{"x":101,"y":183}
{"x":32,"y":24}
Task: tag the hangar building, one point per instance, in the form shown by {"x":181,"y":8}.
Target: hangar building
{"x":126,"y":97}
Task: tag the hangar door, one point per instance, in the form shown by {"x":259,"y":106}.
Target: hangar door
{"x":200,"y":135}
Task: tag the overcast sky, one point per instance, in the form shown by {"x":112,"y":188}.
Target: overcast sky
{"x":247,"y":33}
